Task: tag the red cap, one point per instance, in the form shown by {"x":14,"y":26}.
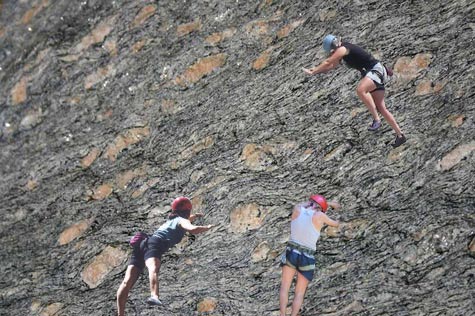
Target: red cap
{"x":320,"y":199}
{"x":181,"y":204}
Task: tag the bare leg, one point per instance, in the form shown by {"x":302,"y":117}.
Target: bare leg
{"x":131,"y":275}
{"x":378,"y":97}
{"x":153,"y":266}
{"x":300,"y":289}
{"x":287,"y":277}
{"x":363,"y":90}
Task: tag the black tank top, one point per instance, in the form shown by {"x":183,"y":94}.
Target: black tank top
{"x":358,"y":58}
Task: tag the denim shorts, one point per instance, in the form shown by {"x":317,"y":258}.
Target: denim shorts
{"x":300,"y":261}
{"x":152,"y":247}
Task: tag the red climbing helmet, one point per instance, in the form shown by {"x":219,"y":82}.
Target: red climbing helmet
{"x":320,"y":199}
{"x":181,"y":204}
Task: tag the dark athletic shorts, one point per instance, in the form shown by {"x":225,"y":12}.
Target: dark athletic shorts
{"x":302,"y":262}
{"x":152,"y":247}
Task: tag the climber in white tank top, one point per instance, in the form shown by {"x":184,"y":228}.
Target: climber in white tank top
{"x":307,"y":220}
{"x":302,"y":229}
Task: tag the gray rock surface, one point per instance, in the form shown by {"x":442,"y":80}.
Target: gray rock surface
{"x":110,"y":109}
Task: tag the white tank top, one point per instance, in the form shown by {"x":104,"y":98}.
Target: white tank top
{"x":302,"y":230}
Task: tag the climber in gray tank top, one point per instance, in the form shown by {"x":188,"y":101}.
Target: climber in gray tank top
{"x":371,"y":87}
{"x":170,"y":232}
{"x":307,"y":220}
{"x":150,"y":250}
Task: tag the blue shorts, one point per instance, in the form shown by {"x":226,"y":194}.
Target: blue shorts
{"x":152,"y":247}
{"x":302,"y":262}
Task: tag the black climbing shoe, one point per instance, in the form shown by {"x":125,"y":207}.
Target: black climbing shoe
{"x":399,"y":141}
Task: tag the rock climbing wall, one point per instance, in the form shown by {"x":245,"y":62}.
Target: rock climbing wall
{"x":111,"y":109}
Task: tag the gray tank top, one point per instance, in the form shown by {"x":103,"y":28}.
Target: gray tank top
{"x":302,"y":230}
{"x":171,"y":232}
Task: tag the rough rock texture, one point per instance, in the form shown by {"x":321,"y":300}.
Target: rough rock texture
{"x":110,"y":109}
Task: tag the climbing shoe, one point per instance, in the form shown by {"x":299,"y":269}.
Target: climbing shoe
{"x":153,"y":301}
{"x":399,"y":141}
{"x":374,"y":126}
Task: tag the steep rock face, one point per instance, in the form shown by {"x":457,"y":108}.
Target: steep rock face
{"x":110,"y":109}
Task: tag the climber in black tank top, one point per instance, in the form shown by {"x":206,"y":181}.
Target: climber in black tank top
{"x":358,"y":58}
{"x":370,"y":89}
